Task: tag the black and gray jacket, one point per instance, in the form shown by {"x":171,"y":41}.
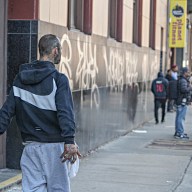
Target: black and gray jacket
{"x":183,"y":91}
{"x":42,"y":102}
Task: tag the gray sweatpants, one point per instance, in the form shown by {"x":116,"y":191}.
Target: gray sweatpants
{"x":42,"y":169}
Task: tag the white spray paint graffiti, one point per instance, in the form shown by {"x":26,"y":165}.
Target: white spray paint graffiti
{"x":87,"y":70}
{"x":116,"y":63}
{"x":114,"y":68}
{"x":145,"y":75}
{"x":106,"y":64}
{"x":64,"y":66}
{"x":131,"y":74}
{"x":154,"y":68}
{"x":149,"y":72}
{"x":149,"y":68}
{"x":120,"y":63}
{"x":145,"y":68}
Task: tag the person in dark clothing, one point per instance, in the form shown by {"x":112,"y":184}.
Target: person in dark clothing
{"x":183,"y":100}
{"x":171,"y":91}
{"x":168,"y":75}
{"x":159,"y":89}
{"x":42,"y":102}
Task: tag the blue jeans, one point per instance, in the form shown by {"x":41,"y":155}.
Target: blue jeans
{"x":180,"y":117}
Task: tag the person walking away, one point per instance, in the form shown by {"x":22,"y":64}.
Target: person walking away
{"x":42,"y":102}
{"x":183,"y":100}
{"x":159,"y":89}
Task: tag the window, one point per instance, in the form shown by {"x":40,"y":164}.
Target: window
{"x":80,"y":15}
{"x":137,"y":21}
{"x":152,"y":28}
{"x":116,"y":19}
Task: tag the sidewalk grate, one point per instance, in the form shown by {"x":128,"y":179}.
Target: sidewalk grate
{"x":172,"y":144}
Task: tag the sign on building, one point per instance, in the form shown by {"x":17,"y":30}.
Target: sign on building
{"x":177,"y":25}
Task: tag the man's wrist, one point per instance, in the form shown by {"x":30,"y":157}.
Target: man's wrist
{"x":70,"y":147}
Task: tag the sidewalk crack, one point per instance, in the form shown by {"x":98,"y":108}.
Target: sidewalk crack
{"x":176,"y":187}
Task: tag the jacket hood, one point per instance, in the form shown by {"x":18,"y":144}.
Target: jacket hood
{"x":160,"y":74}
{"x":184,"y":70}
{"x":35,"y":72}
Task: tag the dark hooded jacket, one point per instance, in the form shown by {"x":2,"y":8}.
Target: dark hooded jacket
{"x":42,"y":102}
{"x":183,"y":91}
{"x":159,"y":87}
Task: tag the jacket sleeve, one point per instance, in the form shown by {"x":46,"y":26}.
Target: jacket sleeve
{"x":184,"y":87}
{"x":7,"y":112}
{"x":64,"y":105}
{"x":166,"y":87}
{"x":152,"y":87}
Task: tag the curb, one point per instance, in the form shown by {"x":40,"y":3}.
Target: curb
{"x":10,"y":182}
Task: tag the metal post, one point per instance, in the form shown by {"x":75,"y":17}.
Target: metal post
{"x":167,"y":63}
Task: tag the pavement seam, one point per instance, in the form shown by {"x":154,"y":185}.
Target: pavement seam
{"x":176,"y":187}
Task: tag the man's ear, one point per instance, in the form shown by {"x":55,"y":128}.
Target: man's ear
{"x":55,"y":51}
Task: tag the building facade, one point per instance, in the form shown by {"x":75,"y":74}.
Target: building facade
{"x":188,"y":52}
{"x":112,"y":50}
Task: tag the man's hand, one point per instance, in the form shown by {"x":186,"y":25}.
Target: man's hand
{"x":70,"y":153}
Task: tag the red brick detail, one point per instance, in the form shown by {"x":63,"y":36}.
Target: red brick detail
{"x":140,"y":13}
{"x":23,"y":9}
{"x":119,"y":27}
{"x":87,"y":24}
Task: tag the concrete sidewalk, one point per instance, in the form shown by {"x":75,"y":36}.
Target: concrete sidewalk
{"x":148,"y":159}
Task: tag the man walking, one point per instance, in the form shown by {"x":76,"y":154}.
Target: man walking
{"x":159,"y":88}
{"x":42,"y":102}
{"x":183,"y":99}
